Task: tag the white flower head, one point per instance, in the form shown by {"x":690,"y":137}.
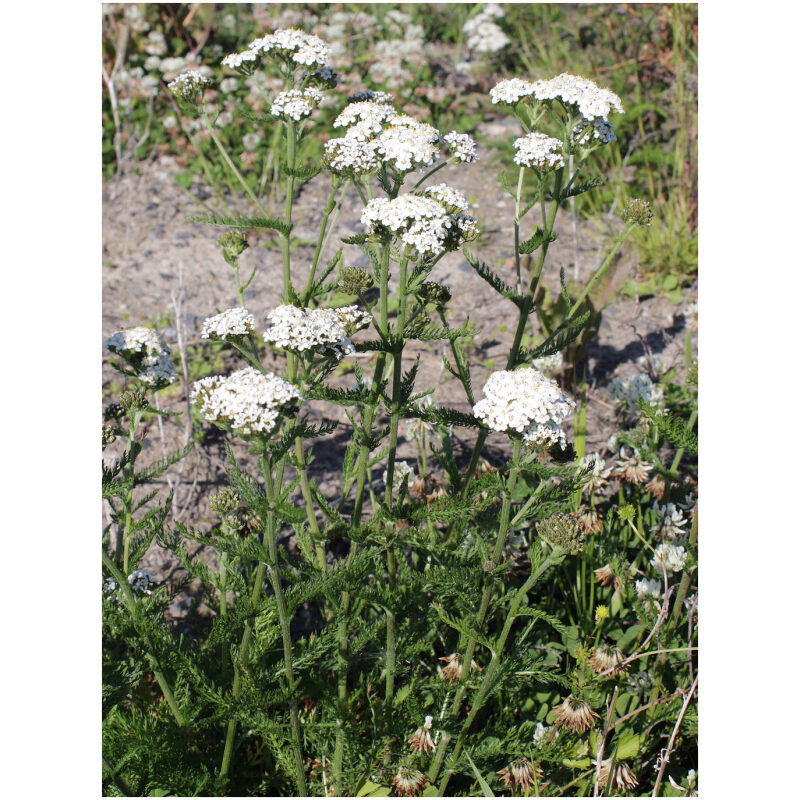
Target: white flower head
{"x":326,"y":330}
{"x":295,"y":104}
{"x":146,"y":352}
{"x":627,"y":391}
{"x":671,"y":557}
{"x":402,"y":470}
{"x":292,"y":46}
{"x":539,"y":151}
{"x":350,"y":156}
{"x":461,"y":146}
{"x":248,"y":401}
{"x":188,"y":84}
{"x":423,"y":223}
{"x":365,"y":118}
{"x":407,"y":144}
{"x":670,"y":521}
{"x":648,"y":587}
{"x":526,"y":401}
{"x":232,"y":322}
{"x":591,"y":101}
{"x":511,"y":91}
{"x":549,"y":363}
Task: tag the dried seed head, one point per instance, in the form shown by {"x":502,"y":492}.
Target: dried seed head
{"x":633,"y":470}
{"x":604,"y":658}
{"x":355,"y":280}
{"x":409,"y":782}
{"x":589,"y":520}
{"x":574,"y":714}
{"x":656,"y":487}
{"x":455,"y":667}
{"x":421,"y":739}
{"x":563,"y":530}
{"x":519,"y":774}
{"x":623,"y":779}
{"x":605,"y":576}
{"x":637,"y":212}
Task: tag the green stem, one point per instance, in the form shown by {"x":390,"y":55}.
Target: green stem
{"x":505,"y":515}
{"x":124,"y":587}
{"x":232,"y":166}
{"x":291,"y":142}
{"x":329,"y":206}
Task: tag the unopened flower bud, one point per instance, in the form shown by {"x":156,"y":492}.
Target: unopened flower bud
{"x":224,"y":502}
{"x":637,"y":212}
{"x":432,"y":292}
{"x":108,"y":435}
{"x":355,"y":280}
{"x":113,"y":411}
{"x":564,"y":531}
{"x":133,"y":400}
{"x":234,"y":243}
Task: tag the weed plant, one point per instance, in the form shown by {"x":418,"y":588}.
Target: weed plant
{"x":527,"y":626}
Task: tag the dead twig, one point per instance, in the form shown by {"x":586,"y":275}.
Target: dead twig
{"x":671,"y":744}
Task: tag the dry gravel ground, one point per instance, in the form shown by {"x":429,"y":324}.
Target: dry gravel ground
{"x":151,"y":254}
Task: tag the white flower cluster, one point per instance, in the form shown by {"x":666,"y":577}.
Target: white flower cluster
{"x":295,"y":104}
{"x":324,"y":329}
{"x":408,"y":144}
{"x":549,"y":363}
{"x":451,"y":198}
{"x":248,"y":400}
{"x":629,"y":390}
{"x":365,"y":118}
{"x":461,"y":146}
{"x":420,"y":222}
{"x":286,"y":44}
{"x":670,"y":520}
{"x":146,"y":351}
{"x":350,"y":155}
{"x":541,"y":734}
{"x":401,"y":470}
{"x":648,"y":587}
{"x":232,"y":322}
{"x":188,"y":84}
{"x":538,"y":151}
{"x":482,"y":34}
{"x":511,"y":90}
{"x":525,"y":401}
{"x":599,"y":474}
{"x":671,"y":557}
{"x":591,"y":101}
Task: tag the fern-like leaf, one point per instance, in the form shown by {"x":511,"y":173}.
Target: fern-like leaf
{"x":245,"y":223}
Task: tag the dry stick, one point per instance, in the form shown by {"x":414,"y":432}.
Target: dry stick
{"x":671,"y":744}
{"x":639,"y":710}
{"x":602,"y":747}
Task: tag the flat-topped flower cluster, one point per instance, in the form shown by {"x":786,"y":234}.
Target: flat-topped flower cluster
{"x":526,"y":401}
{"x":431,"y":223}
{"x":295,"y":104}
{"x":325,"y":329}
{"x":146,"y":352}
{"x":231,"y":322}
{"x":288,"y":45}
{"x":248,"y":401}
{"x":538,"y":151}
{"x":377,"y":133}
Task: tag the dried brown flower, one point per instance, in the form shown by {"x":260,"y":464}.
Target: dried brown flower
{"x":574,"y":714}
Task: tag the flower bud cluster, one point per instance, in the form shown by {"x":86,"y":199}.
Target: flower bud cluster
{"x":231,"y":322}
{"x":295,"y":104}
{"x":142,"y":581}
{"x":248,"y":401}
{"x":421,"y":222}
{"x":637,"y":212}
{"x":355,"y":280}
{"x":563,"y":530}
{"x":525,"y":401}
{"x":146,"y":352}
{"x":324,"y":329}
{"x":538,"y":151}
{"x":234,"y":243}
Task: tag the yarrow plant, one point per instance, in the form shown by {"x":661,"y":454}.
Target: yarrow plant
{"x":406,"y":627}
